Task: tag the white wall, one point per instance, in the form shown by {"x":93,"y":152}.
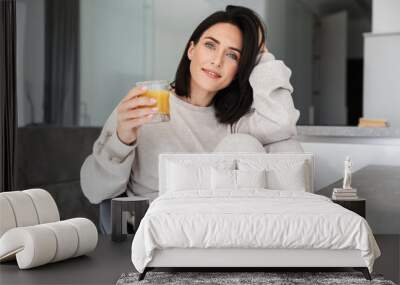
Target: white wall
{"x":382,"y":63}
{"x":147,"y":39}
{"x":385,"y":16}
{"x":30,"y":61}
{"x":112,"y":55}
{"x":329,"y":157}
{"x":381,"y":78}
{"x":382,"y":201}
{"x":126,"y":41}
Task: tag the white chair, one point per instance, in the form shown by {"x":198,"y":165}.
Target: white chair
{"x":31,"y":231}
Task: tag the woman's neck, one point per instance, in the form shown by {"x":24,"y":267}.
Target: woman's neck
{"x":199,"y":97}
{"x":200,"y":102}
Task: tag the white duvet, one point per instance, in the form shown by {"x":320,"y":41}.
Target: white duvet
{"x":252,"y":218}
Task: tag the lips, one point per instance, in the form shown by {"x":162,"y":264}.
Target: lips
{"x":211,"y":73}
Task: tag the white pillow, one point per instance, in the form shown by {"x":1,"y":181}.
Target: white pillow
{"x":293,"y":178}
{"x":182,"y":177}
{"x":223,"y":179}
{"x":281,"y":174}
{"x":237,"y":179}
{"x":251,"y":178}
{"x":185,"y":175}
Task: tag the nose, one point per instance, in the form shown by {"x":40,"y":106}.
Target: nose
{"x":218,"y":59}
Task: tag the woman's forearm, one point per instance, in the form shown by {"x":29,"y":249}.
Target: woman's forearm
{"x":273,"y":116}
{"x":105,"y":173}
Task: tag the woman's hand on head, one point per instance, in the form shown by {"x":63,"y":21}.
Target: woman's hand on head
{"x":132,"y":112}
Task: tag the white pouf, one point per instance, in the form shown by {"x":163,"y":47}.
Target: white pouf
{"x":7,"y":218}
{"x":40,"y":244}
{"x":26,"y":208}
{"x":45,"y":206}
{"x":32,"y":233}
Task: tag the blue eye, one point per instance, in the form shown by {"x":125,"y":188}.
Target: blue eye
{"x":209,"y":45}
{"x":233,"y":56}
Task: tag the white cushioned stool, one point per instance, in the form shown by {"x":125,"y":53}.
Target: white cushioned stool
{"x":26,"y":208}
{"x":31,"y":231}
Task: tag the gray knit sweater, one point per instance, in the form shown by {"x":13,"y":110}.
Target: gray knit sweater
{"x":114,"y":167}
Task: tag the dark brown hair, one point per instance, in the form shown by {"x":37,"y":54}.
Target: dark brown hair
{"x":235,"y":100}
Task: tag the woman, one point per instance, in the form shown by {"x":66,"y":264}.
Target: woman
{"x":226,"y":82}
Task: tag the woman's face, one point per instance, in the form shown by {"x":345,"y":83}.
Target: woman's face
{"x":214,"y":60}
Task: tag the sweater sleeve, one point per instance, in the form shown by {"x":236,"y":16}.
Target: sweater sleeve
{"x":273,"y":116}
{"x":105,"y":172}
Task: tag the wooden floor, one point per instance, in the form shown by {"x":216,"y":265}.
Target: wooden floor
{"x":389,"y":262}
{"x":110,"y":260}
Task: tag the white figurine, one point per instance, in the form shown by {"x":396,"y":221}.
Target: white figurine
{"x":347,"y":173}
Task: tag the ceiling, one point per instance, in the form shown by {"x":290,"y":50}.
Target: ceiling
{"x":355,"y":8}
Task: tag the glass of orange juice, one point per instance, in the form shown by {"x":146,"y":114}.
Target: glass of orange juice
{"x":159,"y":90}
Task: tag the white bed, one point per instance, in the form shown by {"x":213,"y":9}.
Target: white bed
{"x":201,"y":220}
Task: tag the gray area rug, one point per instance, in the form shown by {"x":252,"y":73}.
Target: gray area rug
{"x":270,"y":278}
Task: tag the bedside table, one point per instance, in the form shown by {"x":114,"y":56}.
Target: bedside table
{"x":356,"y":205}
{"x":120,"y":208}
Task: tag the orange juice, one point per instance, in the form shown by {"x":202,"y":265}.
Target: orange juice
{"x":162,"y":97}
{"x":159,"y":90}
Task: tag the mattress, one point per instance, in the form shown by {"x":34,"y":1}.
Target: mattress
{"x":252,"y":219}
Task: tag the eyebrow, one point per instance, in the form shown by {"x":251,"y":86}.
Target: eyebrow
{"x":215,"y":40}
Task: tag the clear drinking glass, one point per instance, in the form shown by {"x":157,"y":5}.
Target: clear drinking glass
{"x":159,"y":90}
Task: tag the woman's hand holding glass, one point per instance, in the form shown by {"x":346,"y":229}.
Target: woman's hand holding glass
{"x":132,"y":112}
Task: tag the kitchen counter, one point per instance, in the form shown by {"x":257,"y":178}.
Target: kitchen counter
{"x":348,"y":131}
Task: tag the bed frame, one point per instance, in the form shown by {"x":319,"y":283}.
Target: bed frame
{"x":248,"y":259}
{"x":260,"y":259}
